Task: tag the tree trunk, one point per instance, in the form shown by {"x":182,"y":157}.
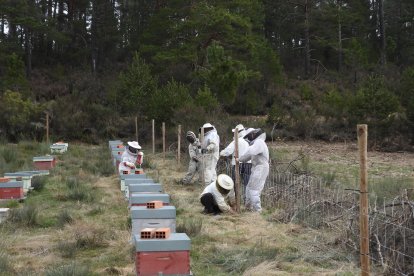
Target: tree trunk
{"x":28,"y":50}
{"x":382,"y":33}
{"x":307,"y":40}
{"x":339,"y":37}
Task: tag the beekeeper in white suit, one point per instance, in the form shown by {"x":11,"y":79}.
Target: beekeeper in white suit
{"x":258,"y":152}
{"x":245,"y":168}
{"x":210,"y":152}
{"x":194,"y":150}
{"x":131,"y":158}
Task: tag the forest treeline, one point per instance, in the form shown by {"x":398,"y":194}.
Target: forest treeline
{"x":316,"y":68}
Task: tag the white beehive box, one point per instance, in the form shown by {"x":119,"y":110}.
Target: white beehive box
{"x":4,"y":212}
{"x":59,"y":148}
{"x":142,"y":217}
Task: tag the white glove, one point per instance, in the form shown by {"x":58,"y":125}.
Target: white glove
{"x":210,"y":147}
{"x":130,"y":165}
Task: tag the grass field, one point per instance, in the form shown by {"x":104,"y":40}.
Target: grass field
{"x":76,"y":222}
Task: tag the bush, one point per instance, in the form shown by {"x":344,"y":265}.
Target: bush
{"x":9,"y":154}
{"x":191,"y":226}
{"x":67,"y":249}
{"x":26,"y":216}
{"x":77,"y":190}
{"x":5,"y":265}
{"x":39,"y":182}
{"x":68,"y":270}
{"x":89,"y":237}
{"x":63,"y":218}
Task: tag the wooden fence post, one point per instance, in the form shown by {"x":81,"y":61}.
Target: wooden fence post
{"x":237,"y":169}
{"x":362,"y":131}
{"x":153,"y":136}
{"x":163,"y":140}
{"x":179,"y":145}
{"x":202,"y":157}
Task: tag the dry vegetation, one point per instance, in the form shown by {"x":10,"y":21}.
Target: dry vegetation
{"x":77,"y":235}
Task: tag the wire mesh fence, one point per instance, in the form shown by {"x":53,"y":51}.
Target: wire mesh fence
{"x":314,"y":202}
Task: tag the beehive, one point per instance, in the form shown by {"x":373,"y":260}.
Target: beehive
{"x":138,"y":178}
{"x":142,"y":217}
{"x":4,"y":212}
{"x":129,"y":182}
{"x":44,"y":162}
{"x":11,"y":190}
{"x":26,"y":177}
{"x":163,"y":256}
{"x":142,"y":199}
{"x":145,"y":188}
{"x":59,"y":147}
{"x":112,"y":144}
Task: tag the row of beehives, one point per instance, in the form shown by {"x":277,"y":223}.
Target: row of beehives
{"x":16,"y":185}
{"x":159,"y":250}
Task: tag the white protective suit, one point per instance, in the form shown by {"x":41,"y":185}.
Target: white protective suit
{"x":128,"y":162}
{"x":194,"y":165}
{"x":258,"y":153}
{"x":229,"y":150}
{"x":221,"y":200}
{"x":210,"y":143}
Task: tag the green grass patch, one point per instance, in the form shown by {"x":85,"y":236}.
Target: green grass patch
{"x":27,"y":216}
{"x":190,"y":225}
{"x":238,"y":260}
{"x":71,"y":269}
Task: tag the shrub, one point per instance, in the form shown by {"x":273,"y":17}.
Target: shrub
{"x":39,"y":182}
{"x":26,"y":216}
{"x":77,"y":190}
{"x":9,"y":154}
{"x":12,"y":204}
{"x":5,"y":265}
{"x":89,"y":237}
{"x":191,"y":226}
{"x":67,"y":249}
{"x":63,"y":218}
{"x":68,"y":270}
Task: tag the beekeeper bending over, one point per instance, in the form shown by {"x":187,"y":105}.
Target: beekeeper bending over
{"x":259,"y":154}
{"x":219,"y":196}
{"x":210,"y":152}
{"x":131,"y":158}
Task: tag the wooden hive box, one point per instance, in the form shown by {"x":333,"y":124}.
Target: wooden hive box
{"x":26,"y":177}
{"x":11,"y":190}
{"x":163,"y":256}
{"x":142,"y":217}
{"x":44,"y":162}
{"x":142,"y":199}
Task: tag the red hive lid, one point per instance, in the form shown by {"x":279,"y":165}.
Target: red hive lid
{"x":4,"y":179}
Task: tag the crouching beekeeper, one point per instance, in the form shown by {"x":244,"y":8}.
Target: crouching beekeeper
{"x":219,"y":196}
{"x":131,"y":158}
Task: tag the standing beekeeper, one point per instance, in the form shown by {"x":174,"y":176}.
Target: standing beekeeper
{"x":131,"y":158}
{"x":245,"y":168}
{"x":258,"y":153}
{"x":194,"y":150}
{"x":219,"y":196}
{"x":210,"y":152}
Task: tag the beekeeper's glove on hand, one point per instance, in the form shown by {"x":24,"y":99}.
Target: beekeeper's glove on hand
{"x":203,"y":151}
{"x":195,"y":158}
{"x":130,"y":165}
{"x":210,"y":148}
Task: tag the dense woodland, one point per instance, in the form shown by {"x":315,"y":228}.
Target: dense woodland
{"x":316,"y":68}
